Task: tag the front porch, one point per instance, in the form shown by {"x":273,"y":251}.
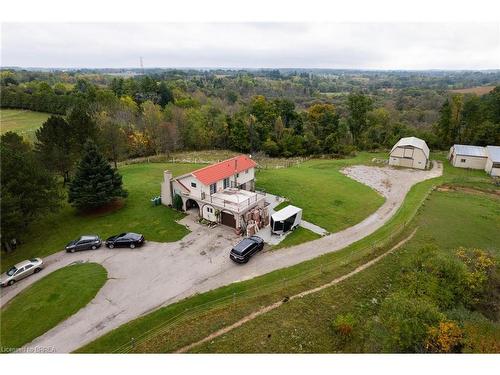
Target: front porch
{"x":227,"y":206}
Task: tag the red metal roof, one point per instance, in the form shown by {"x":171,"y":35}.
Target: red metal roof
{"x":224,"y":169}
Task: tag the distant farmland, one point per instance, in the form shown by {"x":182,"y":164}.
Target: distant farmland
{"x":478,"y":90}
{"x":20,"y":121}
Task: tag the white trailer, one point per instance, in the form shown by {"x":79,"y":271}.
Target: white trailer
{"x":285,"y":219}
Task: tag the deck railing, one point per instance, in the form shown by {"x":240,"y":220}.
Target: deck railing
{"x":234,"y":206}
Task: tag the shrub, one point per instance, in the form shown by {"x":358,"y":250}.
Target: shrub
{"x":177,"y":202}
{"x":481,"y":269}
{"x":446,"y":337}
{"x":437,"y":275}
{"x":481,"y":337}
{"x":405,"y":322}
{"x":343,"y":324}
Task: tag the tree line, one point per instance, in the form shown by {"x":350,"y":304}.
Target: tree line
{"x":470,"y":119}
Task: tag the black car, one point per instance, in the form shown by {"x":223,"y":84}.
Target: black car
{"x":242,"y":252}
{"x":88,"y":242}
{"x":131,"y":240}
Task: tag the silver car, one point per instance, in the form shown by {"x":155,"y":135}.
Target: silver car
{"x":20,"y":271}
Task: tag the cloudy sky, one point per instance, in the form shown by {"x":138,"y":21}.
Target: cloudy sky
{"x":253,"y":45}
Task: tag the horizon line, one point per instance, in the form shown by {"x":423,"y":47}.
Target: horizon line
{"x":248,"y":68}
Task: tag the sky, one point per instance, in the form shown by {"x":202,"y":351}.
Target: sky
{"x":252,"y":45}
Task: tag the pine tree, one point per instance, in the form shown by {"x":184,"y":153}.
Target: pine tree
{"x":95,"y":183}
{"x":29,"y":191}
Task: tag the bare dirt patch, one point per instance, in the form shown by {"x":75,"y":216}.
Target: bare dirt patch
{"x":469,"y":190}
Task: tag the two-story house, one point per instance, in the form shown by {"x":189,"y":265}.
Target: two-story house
{"x":222,"y":192}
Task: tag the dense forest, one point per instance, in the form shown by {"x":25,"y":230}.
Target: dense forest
{"x":283,"y":112}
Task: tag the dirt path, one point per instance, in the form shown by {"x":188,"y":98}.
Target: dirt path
{"x":160,"y":274}
{"x":275,"y":305}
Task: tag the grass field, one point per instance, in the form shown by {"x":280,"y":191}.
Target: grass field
{"x":137,"y":215}
{"x":298,"y":236}
{"x":329,"y":198}
{"x":187,"y":321}
{"x":478,"y":90}
{"x":49,"y":301}
{"x":304,"y":325}
{"x":21,"y":121}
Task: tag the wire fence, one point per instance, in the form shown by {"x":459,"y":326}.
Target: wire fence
{"x":263,"y":162}
{"x":281,"y":284}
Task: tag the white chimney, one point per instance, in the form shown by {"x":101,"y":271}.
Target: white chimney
{"x":166,"y":188}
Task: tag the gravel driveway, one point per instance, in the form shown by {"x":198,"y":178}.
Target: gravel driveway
{"x":159,"y":274}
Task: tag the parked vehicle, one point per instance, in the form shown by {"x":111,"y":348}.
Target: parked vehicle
{"x":131,"y":240}
{"x":285,"y":220}
{"x":20,"y":271}
{"x":87,"y":242}
{"x":243,"y":251}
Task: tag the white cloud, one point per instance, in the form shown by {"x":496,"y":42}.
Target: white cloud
{"x":314,"y":45}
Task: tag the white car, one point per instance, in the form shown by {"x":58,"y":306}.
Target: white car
{"x":20,"y":271}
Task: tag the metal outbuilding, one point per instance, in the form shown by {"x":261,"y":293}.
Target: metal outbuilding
{"x":467,"y":156}
{"x":410,"y":152}
{"x":493,"y":160}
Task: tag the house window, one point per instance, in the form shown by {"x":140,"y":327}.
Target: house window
{"x":210,"y":210}
{"x":226,"y":182}
{"x":193,"y":184}
{"x":213,"y":188}
{"x":462,"y":160}
{"x":246,"y":171}
{"x":237,"y":175}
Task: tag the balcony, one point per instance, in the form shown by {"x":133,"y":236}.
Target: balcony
{"x":235,"y":200}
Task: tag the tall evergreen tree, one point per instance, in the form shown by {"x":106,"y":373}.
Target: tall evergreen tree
{"x":28,"y":189}
{"x":55,"y":145}
{"x":165,"y":93}
{"x":95,"y":183}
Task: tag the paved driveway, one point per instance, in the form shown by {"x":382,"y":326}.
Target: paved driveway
{"x":159,"y":274}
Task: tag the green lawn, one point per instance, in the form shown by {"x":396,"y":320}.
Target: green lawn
{"x":48,"y":302}
{"x":187,"y":321}
{"x":329,"y":198}
{"x":137,"y":215}
{"x":298,"y":236}
{"x":21,"y":121}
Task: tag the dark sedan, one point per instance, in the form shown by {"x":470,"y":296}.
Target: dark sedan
{"x":88,"y":242}
{"x":131,"y":240}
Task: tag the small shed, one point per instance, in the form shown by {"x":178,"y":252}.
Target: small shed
{"x":467,"y":156}
{"x":493,"y":161}
{"x":410,"y":152}
{"x":285,"y":219}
